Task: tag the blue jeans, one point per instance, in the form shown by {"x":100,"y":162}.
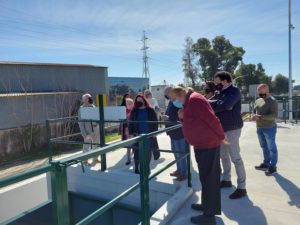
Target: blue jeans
{"x":180,"y":145}
{"x":266,"y":137}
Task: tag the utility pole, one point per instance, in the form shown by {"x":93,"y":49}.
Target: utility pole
{"x":291,"y":27}
{"x":144,"y":49}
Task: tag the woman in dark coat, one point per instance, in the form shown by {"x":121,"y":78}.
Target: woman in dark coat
{"x":143,"y":112}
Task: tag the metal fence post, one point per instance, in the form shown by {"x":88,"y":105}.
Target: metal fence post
{"x":60,"y":195}
{"x":188,"y":159}
{"x":102,"y":130}
{"x":284,"y":110}
{"x":144,"y":182}
{"x":48,"y":131}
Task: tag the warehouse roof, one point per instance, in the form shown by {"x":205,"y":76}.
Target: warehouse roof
{"x":48,"y":64}
{"x":18,"y":94}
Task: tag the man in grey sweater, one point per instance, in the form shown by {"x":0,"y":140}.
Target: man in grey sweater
{"x":265,"y":113}
{"x":89,"y":130}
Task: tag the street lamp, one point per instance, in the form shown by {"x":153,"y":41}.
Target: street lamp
{"x":291,"y":27}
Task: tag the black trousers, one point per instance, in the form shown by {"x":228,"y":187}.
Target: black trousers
{"x":136,"y":156}
{"x":209,"y":167}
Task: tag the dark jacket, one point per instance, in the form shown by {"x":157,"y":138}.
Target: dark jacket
{"x":201,"y":127}
{"x":134,"y":127}
{"x":227,"y":106}
{"x":172,"y":112}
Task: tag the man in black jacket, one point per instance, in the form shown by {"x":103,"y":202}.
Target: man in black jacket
{"x":227,"y":106}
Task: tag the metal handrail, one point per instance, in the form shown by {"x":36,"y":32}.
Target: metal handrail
{"x":25,"y":175}
{"x":116,"y":145}
{"x":57,"y":168}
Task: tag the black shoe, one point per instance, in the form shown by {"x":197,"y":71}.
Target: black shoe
{"x":197,"y":207}
{"x":204,"y":220}
{"x":238,"y":193}
{"x":156,"y":155}
{"x":136,"y":171}
{"x":127,"y":163}
{"x":262,"y":167}
{"x":226,"y":184}
{"x":271,"y":170}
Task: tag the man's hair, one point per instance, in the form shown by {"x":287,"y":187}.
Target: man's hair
{"x":224,"y":75}
{"x":178,"y":89}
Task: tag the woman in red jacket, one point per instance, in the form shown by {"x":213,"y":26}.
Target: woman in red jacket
{"x":203,"y":130}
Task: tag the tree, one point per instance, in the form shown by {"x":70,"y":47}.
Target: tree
{"x":280,"y":85}
{"x":189,"y":68}
{"x":219,"y":54}
{"x":248,"y":74}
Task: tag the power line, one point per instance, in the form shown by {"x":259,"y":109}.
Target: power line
{"x":144,"y":49}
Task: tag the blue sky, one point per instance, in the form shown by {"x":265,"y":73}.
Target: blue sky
{"x":108,"y":33}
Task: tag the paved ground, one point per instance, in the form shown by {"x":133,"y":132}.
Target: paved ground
{"x":271,"y":200}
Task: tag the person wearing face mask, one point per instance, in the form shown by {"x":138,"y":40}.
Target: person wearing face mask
{"x":203,"y":130}
{"x":125,"y":129}
{"x":227,"y":106}
{"x":178,"y":142}
{"x":140,"y":113}
{"x":265,"y":113}
{"x":88,"y":130}
{"x":152,"y":101}
{"x":210,"y":90}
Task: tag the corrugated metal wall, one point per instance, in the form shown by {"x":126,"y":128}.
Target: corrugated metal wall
{"x":52,"y":78}
{"x":21,"y":110}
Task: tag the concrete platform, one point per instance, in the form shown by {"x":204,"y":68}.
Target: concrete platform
{"x":271,"y":200}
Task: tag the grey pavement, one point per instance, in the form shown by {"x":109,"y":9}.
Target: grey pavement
{"x":271,"y":200}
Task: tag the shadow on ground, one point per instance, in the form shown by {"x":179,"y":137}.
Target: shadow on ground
{"x":242,"y":211}
{"x":290,"y":188}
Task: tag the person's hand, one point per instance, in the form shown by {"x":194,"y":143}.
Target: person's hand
{"x":165,"y":117}
{"x":89,"y":137}
{"x":225,"y":141}
{"x":180,"y":114}
{"x":255,"y":117}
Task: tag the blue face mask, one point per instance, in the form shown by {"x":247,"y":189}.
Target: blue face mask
{"x":177,"y":104}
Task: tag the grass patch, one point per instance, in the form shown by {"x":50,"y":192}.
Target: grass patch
{"x":112,"y":137}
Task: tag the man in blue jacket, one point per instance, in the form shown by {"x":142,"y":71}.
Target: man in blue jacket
{"x":178,"y":142}
{"x":227,"y":106}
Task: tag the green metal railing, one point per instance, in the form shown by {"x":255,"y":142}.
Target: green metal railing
{"x":58,"y":171}
{"x":285,"y":101}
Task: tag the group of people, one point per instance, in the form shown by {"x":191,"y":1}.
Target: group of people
{"x":212,"y":124}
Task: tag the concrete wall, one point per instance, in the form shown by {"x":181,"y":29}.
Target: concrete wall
{"x":39,"y":77}
{"x":20,"y":110}
{"x":109,"y":184}
{"x":23,"y":118}
{"x":23,"y":196}
{"x":158,"y":93}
